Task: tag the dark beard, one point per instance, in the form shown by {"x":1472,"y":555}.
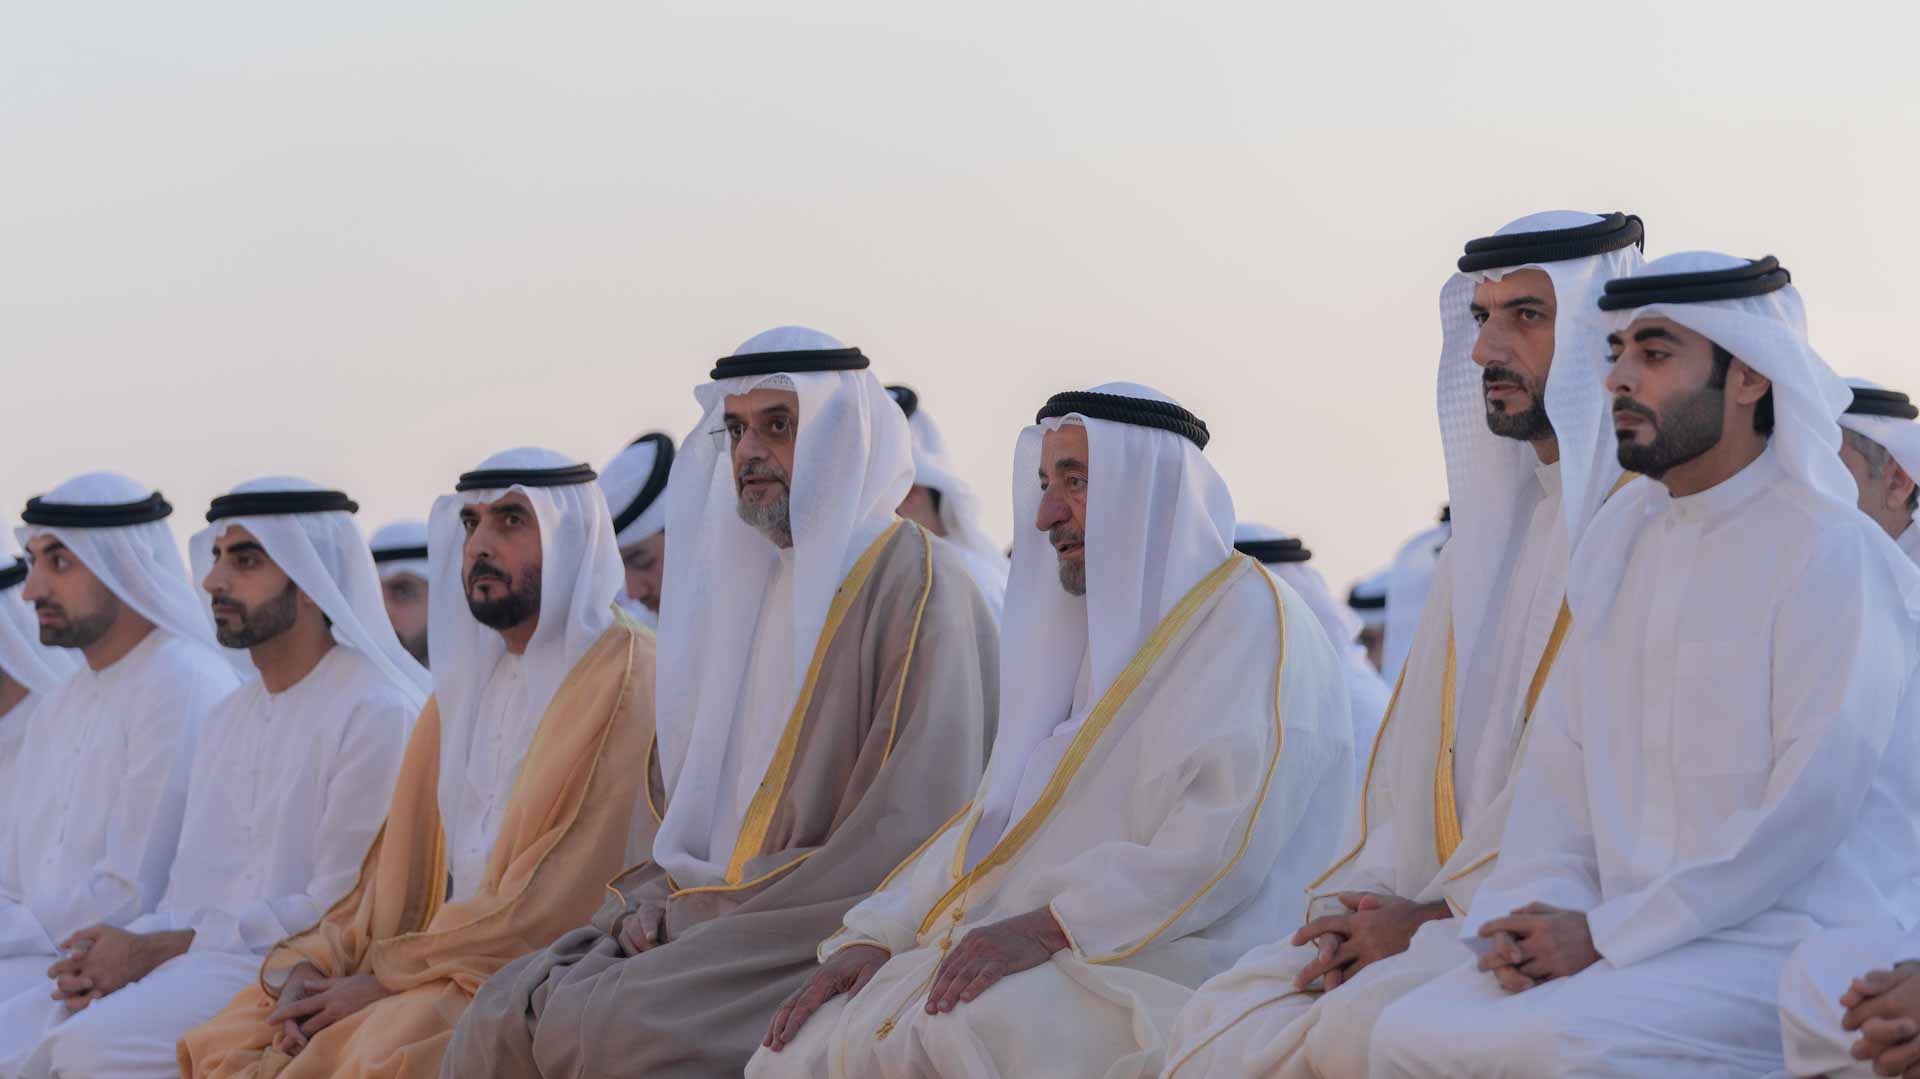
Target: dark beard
{"x":1529,"y":426}
{"x":262,"y":624}
{"x":521,"y":602}
{"x":83,"y":631}
{"x":1686,"y":431}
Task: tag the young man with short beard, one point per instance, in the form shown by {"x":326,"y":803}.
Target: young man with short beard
{"x":1725,"y":760}
{"x":89,"y":827}
{"x":288,"y":786}
{"x":515,"y":798}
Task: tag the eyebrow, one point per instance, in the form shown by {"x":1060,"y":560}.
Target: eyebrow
{"x":56,"y":545}
{"x":1656,"y":333}
{"x":1615,"y":340}
{"x":243,"y":545}
{"x":1523,"y":301}
{"x":499,"y":508}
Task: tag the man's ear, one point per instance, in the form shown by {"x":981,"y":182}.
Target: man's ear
{"x":1899,"y":485}
{"x":1749,"y":386}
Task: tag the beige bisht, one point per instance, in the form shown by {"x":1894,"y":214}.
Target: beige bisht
{"x":565,"y":830}
{"x":891,"y":735}
{"x":1434,"y":802}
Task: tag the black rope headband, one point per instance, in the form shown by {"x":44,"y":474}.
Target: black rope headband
{"x":1274,"y":551}
{"x":1610,"y":233}
{"x":398,"y":554}
{"x":1756,"y":278}
{"x":278,"y":503}
{"x":795,"y":361}
{"x":904,"y":396}
{"x":13,"y":575}
{"x":1163,"y":415}
{"x":47,"y":514}
{"x":490,"y":478}
{"x":656,"y":480}
{"x":1892,"y":403}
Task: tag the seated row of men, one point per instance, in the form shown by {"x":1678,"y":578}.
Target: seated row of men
{"x":874,"y":830}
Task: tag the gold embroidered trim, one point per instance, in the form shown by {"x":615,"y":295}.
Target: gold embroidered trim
{"x":753,"y":833}
{"x":913,"y":639}
{"x":1373,"y":758}
{"x":1096,"y":724}
{"x":922,"y":848}
{"x":1273,"y":765}
{"x":1446,"y":811}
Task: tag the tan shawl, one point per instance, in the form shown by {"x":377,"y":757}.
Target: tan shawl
{"x":566,"y":830}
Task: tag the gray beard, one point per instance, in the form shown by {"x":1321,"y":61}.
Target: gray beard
{"x":1073,"y":576}
{"x":772,"y":519}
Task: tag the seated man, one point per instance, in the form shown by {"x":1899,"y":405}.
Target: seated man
{"x":1523,"y":447}
{"x":515,"y":784}
{"x":288,"y":787}
{"x":635,"y":485}
{"x":1174,"y":759}
{"x":1848,"y":1000}
{"x":88,"y":829}
{"x":791,"y":779}
{"x":944,"y":503}
{"x":1724,"y":760}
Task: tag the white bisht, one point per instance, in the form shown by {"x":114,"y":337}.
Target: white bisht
{"x":77,"y":850}
{"x":934,"y":469}
{"x":1289,"y":559}
{"x":1888,"y":418}
{"x":490,"y":701}
{"x":286,"y":792}
{"x":1728,"y":756}
{"x":634,"y":483}
{"x":1174,"y":758}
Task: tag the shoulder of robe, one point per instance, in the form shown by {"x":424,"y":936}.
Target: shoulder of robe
{"x":953,"y":575}
{"x":1242,"y":613}
{"x":626,"y":646}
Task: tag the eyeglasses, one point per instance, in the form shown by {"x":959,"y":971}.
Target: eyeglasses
{"x":772,"y":429}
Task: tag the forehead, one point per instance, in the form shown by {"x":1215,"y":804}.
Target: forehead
{"x":1069,"y":440}
{"x":761,"y":400}
{"x":1531,"y":281}
{"x":234,"y":535}
{"x":1667,"y":326}
{"x":512,"y":500}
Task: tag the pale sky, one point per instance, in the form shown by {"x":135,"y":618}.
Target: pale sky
{"x":371,"y":244}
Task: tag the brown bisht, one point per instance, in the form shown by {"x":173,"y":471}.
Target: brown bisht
{"x":892,"y":741}
{"x":566,"y":830}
